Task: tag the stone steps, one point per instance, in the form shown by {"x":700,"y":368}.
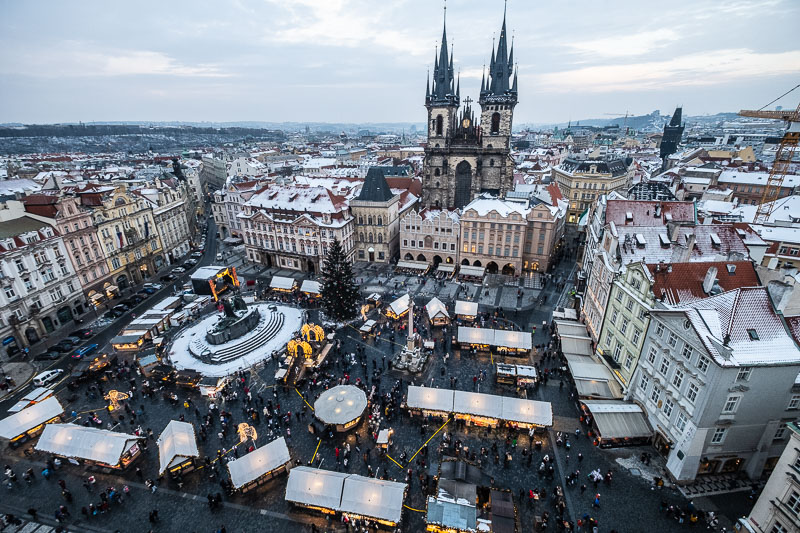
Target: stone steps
{"x":273,"y":327}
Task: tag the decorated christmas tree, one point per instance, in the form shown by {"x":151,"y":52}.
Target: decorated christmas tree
{"x":339,"y":291}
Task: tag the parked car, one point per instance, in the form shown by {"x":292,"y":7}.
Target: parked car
{"x":219,"y":257}
{"x":46,"y":378}
{"x":83,"y":333}
{"x":147,"y":291}
{"x":113,"y":314}
{"x":49,"y":355}
{"x":190,"y":263}
{"x":84,"y":350}
{"x":136,"y":299}
{"x":197,"y":255}
{"x":63,"y":346}
{"x":168,"y":277}
{"x":178,"y":270}
{"x":121,"y":308}
{"x":155,"y":286}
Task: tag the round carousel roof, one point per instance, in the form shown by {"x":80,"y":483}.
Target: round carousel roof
{"x":340,"y":405}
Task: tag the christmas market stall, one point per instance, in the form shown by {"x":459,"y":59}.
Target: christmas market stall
{"x":341,"y":406}
{"x":501,"y":341}
{"x":518,"y":375}
{"x":35,"y":396}
{"x":526,"y":414}
{"x":412,"y":267}
{"x":316,"y":489}
{"x":616,"y":423}
{"x":96,"y":447}
{"x":437,"y":312}
{"x":367,"y":328}
{"x":260,"y":465}
{"x":282,"y":284}
{"x":30,"y":421}
{"x":398,"y":308}
{"x":177,"y":448}
{"x":478,"y":409}
{"x":466,"y":311}
{"x":471,"y":273}
{"x":431,"y":401}
{"x":310,"y":288}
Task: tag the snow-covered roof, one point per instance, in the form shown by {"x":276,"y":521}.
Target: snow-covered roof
{"x":778,"y":233}
{"x":176,"y":444}
{"x":310,"y":286}
{"x":79,"y":442}
{"x":280,"y":282}
{"x":735,"y":176}
{"x":400,"y":305}
{"x":484,"y":205}
{"x":258,"y":462}
{"x":436,"y":308}
{"x":315,"y":487}
{"x":30,"y":417}
{"x":372,"y":497}
{"x":466,"y":308}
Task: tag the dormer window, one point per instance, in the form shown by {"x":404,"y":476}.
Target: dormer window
{"x":753,"y":334}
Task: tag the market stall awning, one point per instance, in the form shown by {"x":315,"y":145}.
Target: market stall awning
{"x":520,"y":340}
{"x":466,"y":308}
{"x":400,"y":305}
{"x":475,"y":403}
{"x":473,"y":271}
{"x":128,"y":339}
{"x":315,"y":487}
{"x":36,"y":395}
{"x":570,"y":327}
{"x":372,"y":497}
{"x":592,"y":388}
{"x":88,"y":443}
{"x":436,"y":308}
{"x":367,"y":326}
{"x":619,"y":420}
{"x":430,"y":398}
{"x":283,"y":283}
{"x":30,"y":417}
{"x":527,"y":411}
{"x":176,"y":444}
{"x":340,"y":404}
{"x":258,"y":462}
{"x":576,"y":345}
{"x":309,"y":286}
{"x":446,"y":267}
{"x":475,"y":335}
{"x":412,"y":265}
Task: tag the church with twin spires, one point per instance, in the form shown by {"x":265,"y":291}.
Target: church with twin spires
{"x":465,"y":157}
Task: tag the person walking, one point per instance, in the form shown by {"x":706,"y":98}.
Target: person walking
{"x":596,"y":502}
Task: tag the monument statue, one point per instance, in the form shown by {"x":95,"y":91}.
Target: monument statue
{"x":236,"y":320}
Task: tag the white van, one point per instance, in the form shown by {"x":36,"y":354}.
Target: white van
{"x":46,"y":378}
{"x":219,"y":257}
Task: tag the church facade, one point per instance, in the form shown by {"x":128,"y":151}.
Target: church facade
{"x":464,"y":157}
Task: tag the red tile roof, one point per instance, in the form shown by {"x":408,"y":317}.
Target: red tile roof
{"x":683,"y":282}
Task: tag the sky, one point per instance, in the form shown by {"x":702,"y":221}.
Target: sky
{"x":366,"y":60}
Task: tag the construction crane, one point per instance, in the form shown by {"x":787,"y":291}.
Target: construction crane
{"x":783,"y":157}
{"x":619,"y":115}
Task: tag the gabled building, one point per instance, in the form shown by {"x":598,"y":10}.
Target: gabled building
{"x":717,"y":380}
{"x":430,"y":235}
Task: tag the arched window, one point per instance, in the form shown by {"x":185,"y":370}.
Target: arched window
{"x":436,"y":172}
{"x":491,"y":162}
{"x":380,"y":220}
{"x":495,"y":122}
{"x":360,"y":220}
{"x":361,"y":236}
{"x":369,"y":220}
{"x":370,"y":238}
{"x":439,"y":123}
{"x":380,"y":238}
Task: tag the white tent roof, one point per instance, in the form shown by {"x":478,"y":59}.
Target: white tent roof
{"x":312,"y":486}
{"x":430,"y":398}
{"x":373,"y":497}
{"x":475,"y":403}
{"x":466,"y":270}
{"x":466,"y":308}
{"x":527,"y":411}
{"x":571,"y":327}
{"x":35,"y":395}
{"x":280,"y":282}
{"x":310,"y":286}
{"x":576,"y":345}
{"x":79,"y":442}
{"x":340,"y":405}
{"x":400,"y":305}
{"x":176,"y":444}
{"x":367,"y":326}
{"x":259,"y":462}
{"x":30,"y":417}
{"x":618,"y":419}
{"x":475,"y":335}
{"x":446,"y":267}
{"x":436,"y":308}
{"x":412,"y":265}
{"x":513,"y":339}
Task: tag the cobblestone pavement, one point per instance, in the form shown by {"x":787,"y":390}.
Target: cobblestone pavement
{"x":627,"y":505}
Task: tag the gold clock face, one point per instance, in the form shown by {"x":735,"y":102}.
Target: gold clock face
{"x":465,"y":123}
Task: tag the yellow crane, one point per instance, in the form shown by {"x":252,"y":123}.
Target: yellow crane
{"x":783,"y":157}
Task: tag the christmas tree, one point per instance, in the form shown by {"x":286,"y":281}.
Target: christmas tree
{"x":339,"y":291}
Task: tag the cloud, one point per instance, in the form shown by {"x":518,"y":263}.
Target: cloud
{"x":623,"y":45}
{"x":705,"y":68}
{"x":73,"y":58}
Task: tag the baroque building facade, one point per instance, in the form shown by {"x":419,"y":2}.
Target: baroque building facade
{"x":463,"y":158}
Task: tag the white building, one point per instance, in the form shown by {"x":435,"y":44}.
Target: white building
{"x":717,"y":381}
{"x":39,"y":284}
{"x":172,"y":208}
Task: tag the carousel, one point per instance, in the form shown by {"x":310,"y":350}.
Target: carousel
{"x":341,"y":407}
{"x":303,"y":353}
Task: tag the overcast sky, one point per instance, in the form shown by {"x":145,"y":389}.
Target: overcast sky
{"x":366,"y":60}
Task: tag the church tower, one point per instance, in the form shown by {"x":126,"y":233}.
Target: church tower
{"x":464,"y":159}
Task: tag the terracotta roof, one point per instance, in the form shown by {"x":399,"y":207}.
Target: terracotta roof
{"x":683,"y":282}
{"x":643,"y":212}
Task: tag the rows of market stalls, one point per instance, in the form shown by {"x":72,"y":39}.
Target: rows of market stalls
{"x":282,"y":288}
{"x":614,"y":422}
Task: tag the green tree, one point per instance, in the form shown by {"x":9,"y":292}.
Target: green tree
{"x":339,"y":292}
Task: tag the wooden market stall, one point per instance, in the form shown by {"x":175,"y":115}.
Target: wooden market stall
{"x":368,"y":328}
{"x":30,"y":421}
{"x":282,"y":284}
{"x":471,"y":273}
{"x":501,"y":341}
{"x":177,"y":448}
{"x":518,"y":375}
{"x":310,"y":288}
{"x":97,"y":447}
{"x":316,"y":489}
{"x":259,"y":466}
{"x":412,"y":267}
{"x":399,"y":307}
{"x":437,"y":312}
{"x":39,"y":394}
{"x":466,"y":311}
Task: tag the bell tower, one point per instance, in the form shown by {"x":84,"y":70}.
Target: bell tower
{"x":499,"y":95}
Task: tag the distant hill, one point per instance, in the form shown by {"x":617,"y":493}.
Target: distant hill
{"x":652,"y":122}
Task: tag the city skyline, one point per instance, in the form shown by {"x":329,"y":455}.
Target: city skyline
{"x":349,"y":61}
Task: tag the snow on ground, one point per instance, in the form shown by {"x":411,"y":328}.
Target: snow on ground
{"x":181,"y":357}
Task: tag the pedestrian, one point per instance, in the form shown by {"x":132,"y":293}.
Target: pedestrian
{"x":33,"y":513}
{"x":596,"y":502}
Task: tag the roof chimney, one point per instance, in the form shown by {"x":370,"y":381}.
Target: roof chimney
{"x":710,"y":279}
{"x":780,"y":293}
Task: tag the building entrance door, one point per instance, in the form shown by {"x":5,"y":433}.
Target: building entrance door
{"x":463,"y":192}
